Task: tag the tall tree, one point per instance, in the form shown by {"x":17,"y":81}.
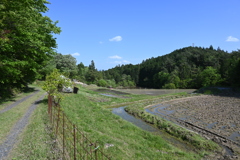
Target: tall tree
{"x":66,"y":64}
{"x":26,"y":41}
{"x":92,"y":74}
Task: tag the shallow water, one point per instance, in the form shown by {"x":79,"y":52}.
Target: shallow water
{"x":147,"y":127}
{"x":108,"y":95}
{"x":155,"y":92}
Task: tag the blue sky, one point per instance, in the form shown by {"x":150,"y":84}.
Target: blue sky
{"x":113,"y":32}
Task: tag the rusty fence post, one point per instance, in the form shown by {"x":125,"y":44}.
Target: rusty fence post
{"x":58,"y":118}
{"x":49,"y":104}
{"x":63,"y":136}
{"x":51,"y":110}
{"x":74,"y":141}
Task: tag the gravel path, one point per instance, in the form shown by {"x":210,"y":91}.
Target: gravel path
{"x":16,"y":103}
{"x":6,"y":146}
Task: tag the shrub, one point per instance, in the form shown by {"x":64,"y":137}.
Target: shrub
{"x":102,"y":83}
{"x":169,"y":86}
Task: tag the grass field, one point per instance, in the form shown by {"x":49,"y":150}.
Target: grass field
{"x":89,"y":110}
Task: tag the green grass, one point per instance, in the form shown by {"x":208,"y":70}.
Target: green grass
{"x":89,"y":111}
{"x":4,"y":102}
{"x":36,"y":141}
{"x":9,"y":118}
{"x":129,"y":141}
{"x":112,"y":102}
{"x":138,"y":110}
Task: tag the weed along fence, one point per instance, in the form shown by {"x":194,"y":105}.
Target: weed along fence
{"x":73,"y":143}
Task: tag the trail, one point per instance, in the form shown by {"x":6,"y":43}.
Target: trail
{"x":16,"y":103}
{"x":11,"y":139}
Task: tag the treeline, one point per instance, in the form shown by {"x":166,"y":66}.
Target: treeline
{"x":26,"y":42}
{"x":190,"y":67}
{"x":27,"y":53}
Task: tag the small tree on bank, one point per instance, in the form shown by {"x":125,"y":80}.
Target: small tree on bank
{"x":53,"y":82}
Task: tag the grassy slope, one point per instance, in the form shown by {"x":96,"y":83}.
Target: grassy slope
{"x":101,"y":125}
{"x":36,"y":140}
{"x":86,"y":110}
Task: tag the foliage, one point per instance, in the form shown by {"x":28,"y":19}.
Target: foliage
{"x":111,"y":83}
{"x":92,"y":74}
{"x":209,"y":77}
{"x":54,"y":82}
{"x":47,"y":69}
{"x":26,"y":41}
{"x":82,"y":70}
{"x":169,"y":86}
{"x":189,"y":67}
{"x":102,"y":83}
{"x":66,"y":64}
{"x":160,"y":79}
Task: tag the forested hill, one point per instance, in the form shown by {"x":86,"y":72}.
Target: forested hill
{"x":190,"y":67}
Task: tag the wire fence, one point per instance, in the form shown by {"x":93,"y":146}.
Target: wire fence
{"x":72,"y":143}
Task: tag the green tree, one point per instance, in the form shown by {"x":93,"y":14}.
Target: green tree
{"x":47,"y":69}
{"x":26,"y":41}
{"x":160,"y":79}
{"x":82,"y":70}
{"x":92,"y":66}
{"x":66,"y":64}
{"x":92,"y":74}
{"x":211,"y":47}
{"x":209,"y":77}
{"x":54,"y":81}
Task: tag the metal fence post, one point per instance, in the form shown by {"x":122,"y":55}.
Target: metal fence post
{"x":49,"y":104}
{"x":74,"y":141}
{"x":63,"y":137}
{"x":58,"y":118}
{"x":51,"y":110}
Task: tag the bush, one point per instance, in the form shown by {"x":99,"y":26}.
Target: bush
{"x":102,"y":83}
{"x":169,"y":86}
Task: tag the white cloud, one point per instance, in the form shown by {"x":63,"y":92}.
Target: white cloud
{"x":125,"y":61}
{"x":115,"y":57}
{"x":121,"y":62}
{"x":75,"y":54}
{"x":232,"y":39}
{"x":101,"y":42}
{"x":116,"y":39}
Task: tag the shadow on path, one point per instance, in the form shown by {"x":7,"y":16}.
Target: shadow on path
{"x":8,"y":144}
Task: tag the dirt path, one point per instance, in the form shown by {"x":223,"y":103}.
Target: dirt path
{"x":16,"y":103}
{"x":11,"y":139}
